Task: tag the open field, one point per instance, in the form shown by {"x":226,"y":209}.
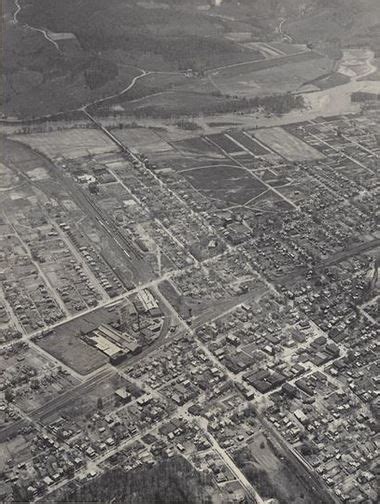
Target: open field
{"x":229,"y":184}
{"x":328,"y":81}
{"x":270,"y":202}
{"x":248,"y":142}
{"x":224,"y":143}
{"x":264,"y":465}
{"x":287,"y":145}
{"x":197,"y":145}
{"x":278,"y":75}
{"x":65,"y":343}
{"x":171,"y":103}
{"x":142,"y":139}
{"x":16,"y":450}
{"x":265,"y":64}
{"x":179,"y":161}
{"x":7,"y":177}
{"x":73,"y":352}
{"x":70,"y":144}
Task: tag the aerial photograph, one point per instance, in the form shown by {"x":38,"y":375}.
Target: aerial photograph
{"x":190,"y":251}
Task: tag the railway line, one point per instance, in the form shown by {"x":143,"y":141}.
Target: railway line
{"x":66,"y":399}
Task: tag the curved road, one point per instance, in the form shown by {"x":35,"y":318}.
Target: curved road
{"x":45,"y":33}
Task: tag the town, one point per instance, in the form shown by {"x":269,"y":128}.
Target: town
{"x":189,"y":279}
{"x":151,"y":310}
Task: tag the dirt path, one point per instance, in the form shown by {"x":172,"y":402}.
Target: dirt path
{"x":44,"y":32}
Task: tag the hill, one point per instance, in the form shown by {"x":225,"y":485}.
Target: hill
{"x":59,"y":56}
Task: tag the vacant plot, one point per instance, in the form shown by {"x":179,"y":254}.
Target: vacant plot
{"x":286,"y":48}
{"x":18,"y":450}
{"x":228,"y":184}
{"x":249,"y":143}
{"x":187,"y":162}
{"x":270,"y":202}
{"x":198,"y":145}
{"x":70,"y":144}
{"x":256,"y":66}
{"x":276,"y":75}
{"x":287,"y":145}
{"x":265,"y":465}
{"x":171,"y":103}
{"x":331,"y":80}
{"x":143,"y":139}
{"x":73,"y":352}
{"x":7,"y":177}
{"x":225,"y":143}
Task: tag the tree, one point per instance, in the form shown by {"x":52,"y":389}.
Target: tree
{"x":100,"y":403}
{"x":8,"y":395}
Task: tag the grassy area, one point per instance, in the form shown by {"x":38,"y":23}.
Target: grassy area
{"x":225,"y":183}
{"x":273,"y":475}
{"x":73,"y":352}
{"x":287,"y":145}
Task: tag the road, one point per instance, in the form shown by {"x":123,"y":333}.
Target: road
{"x":334,"y":130}
{"x":334,"y":259}
{"x":55,"y":406}
{"x":341,"y":152}
{"x":101,"y":101}
{"x":128,"y":254}
{"x":215,"y":311}
{"x":249,"y":62}
{"x":44,"y":32}
{"x":247,"y":486}
{"x":250,"y":172}
{"x":306,"y":472}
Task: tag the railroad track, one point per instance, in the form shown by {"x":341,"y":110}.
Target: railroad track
{"x":109,"y":227}
{"x":68,"y":397}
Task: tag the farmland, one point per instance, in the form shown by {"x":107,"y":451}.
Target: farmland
{"x":145,"y":140}
{"x":198,"y":145}
{"x":224,"y":143}
{"x":72,"y":143}
{"x":280,"y":74}
{"x":287,"y":145}
{"x":248,"y":143}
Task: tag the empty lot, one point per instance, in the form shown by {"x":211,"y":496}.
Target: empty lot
{"x":229,"y":184}
{"x":287,"y":145}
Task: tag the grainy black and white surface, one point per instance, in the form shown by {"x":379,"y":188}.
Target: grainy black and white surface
{"x":189,"y":251}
